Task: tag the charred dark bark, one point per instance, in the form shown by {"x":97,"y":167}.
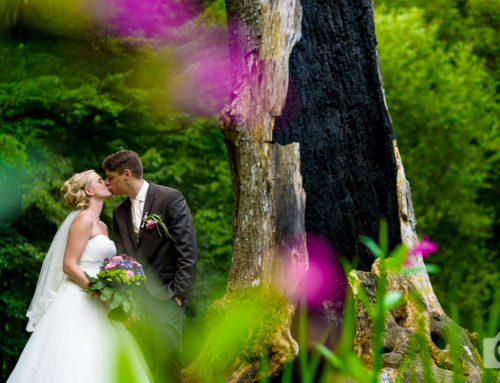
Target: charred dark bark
{"x":336,"y":110}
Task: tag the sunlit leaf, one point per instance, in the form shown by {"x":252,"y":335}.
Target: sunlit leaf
{"x":392,"y":299}
{"x":370,"y":243}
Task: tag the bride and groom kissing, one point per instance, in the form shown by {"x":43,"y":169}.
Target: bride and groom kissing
{"x":73,"y":340}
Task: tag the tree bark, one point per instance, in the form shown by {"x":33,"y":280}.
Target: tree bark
{"x":261,"y":36}
{"x":353,"y":174}
{"x":336,"y":110}
{"x":316,"y":113}
{"x":269,"y":201}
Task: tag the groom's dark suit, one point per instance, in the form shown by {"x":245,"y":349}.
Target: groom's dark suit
{"x":173,"y":262}
{"x":169,"y":264}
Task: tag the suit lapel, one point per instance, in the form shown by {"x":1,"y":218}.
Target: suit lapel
{"x":128,"y":219}
{"x":148,"y":203}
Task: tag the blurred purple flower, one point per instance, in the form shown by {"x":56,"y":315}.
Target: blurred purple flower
{"x":424,"y":247}
{"x":325,"y":279}
{"x":202,"y":84}
{"x":319,"y":280}
{"x":149,"y":18}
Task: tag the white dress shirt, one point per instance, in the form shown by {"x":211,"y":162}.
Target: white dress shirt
{"x":138,"y":207}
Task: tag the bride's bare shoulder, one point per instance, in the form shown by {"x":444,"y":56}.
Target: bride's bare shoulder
{"x":82,"y":223}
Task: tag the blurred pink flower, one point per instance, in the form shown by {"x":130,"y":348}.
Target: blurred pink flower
{"x":150,"y":224}
{"x":110,"y":266}
{"x":424,"y":247}
{"x":117,"y":258}
{"x":130,"y":274}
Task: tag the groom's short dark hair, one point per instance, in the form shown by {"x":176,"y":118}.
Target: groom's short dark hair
{"x":124,"y":159}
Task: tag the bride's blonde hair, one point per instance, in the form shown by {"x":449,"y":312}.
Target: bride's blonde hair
{"x":73,"y":190}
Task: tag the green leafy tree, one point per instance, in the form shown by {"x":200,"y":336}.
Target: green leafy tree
{"x":442,"y":102}
{"x":476,"y":22}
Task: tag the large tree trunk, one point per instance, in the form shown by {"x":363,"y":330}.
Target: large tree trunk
{"x":328,"y":115}
{"x":269,"y":202}
{"x":353,"y":174}
{"x":336,"y":110}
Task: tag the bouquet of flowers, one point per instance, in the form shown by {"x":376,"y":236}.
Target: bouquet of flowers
{"x":116,"y":283}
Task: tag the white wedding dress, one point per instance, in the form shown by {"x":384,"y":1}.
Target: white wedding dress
{"x":74,"y":341}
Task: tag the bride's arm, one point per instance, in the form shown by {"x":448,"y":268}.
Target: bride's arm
{"x":78,"y":236}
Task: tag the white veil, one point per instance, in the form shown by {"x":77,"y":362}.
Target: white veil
{"x":51,"y":275}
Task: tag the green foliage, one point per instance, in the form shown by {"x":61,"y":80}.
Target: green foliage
{"x":20,"y":263}
{"x":442,"y":102}
{"x":476,"y":22}
{"x":215,"y":12}
{"x":240,"y":328}
{"x":70,"y":95}
{"x":67,"y":100}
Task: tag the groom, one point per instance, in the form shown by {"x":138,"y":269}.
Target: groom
{"x":169,"y":258}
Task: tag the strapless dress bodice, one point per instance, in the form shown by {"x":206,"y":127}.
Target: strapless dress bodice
{"x":97,"y":248}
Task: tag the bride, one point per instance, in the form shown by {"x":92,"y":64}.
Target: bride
{"x":73,"y":340}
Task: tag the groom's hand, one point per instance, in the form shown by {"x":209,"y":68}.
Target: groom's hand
{"x":178,"y":300}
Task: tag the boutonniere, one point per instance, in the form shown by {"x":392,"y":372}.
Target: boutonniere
{"x":154,"y":220}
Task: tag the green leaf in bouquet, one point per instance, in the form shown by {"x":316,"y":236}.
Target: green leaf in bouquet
{"x":99,"y":285}
{"x":116,"y":301}
{"x":92,"y":280}
{"x":127,"y":305}
{"x":106,"y":293}
{"x":117,"y":315}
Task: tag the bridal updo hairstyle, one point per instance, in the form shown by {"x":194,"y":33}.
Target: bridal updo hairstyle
{"x":73,"y":190}
{"x":124,"y":159}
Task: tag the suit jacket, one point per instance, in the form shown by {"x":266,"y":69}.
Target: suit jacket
{"x":170,"y":266}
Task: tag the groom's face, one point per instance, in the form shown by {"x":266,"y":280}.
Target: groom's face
{"x":115,"y":182}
